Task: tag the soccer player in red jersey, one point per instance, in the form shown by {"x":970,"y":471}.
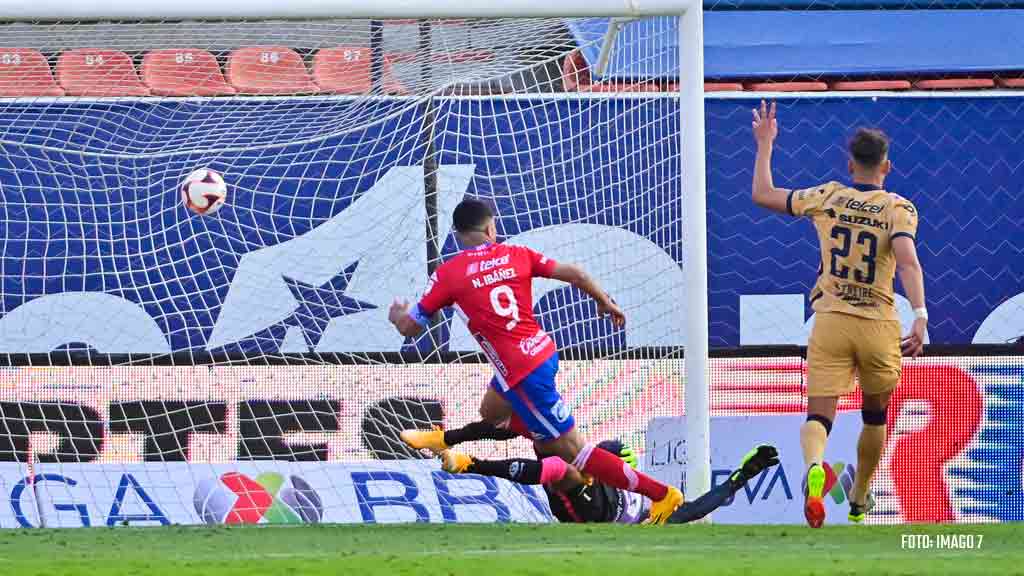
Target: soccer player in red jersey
{"x":490,"y":287}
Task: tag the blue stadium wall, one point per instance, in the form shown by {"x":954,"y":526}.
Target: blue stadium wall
{"x":67,"y":214}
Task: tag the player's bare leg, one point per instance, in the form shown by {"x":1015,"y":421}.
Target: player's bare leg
{"x":821,"y":412}
{"x":869,"y":453}
{"x":609,"y":469}
{"x":495,"y":409}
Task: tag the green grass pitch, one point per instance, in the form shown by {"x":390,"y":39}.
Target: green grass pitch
{"x":492,"y":550}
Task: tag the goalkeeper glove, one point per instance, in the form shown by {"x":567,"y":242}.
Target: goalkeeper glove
{"x":627,"y":455}
{"x":754,"y":462}
{"x":621,"y":450}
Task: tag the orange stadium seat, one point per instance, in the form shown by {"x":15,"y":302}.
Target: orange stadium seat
{"x":1016,"y":82}
{"x":25,"y":72}
{"x":955,"y":84}
{"x":710,"y":86}
{"x":343,"y":70}
{"x":798,"y":86}
{"x":575,"y":72}
{"x":863,"y":85}
{"x":576,"y":78}
{"x":723,"y":87}
{"x":269,"y":70}
{"x":184,"y":72}
{"x":98,"y":72}
{"x":347,"y":70}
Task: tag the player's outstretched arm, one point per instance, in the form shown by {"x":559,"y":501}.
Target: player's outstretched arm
{"x":754,"y":462}
{"x":403,"y":321}
{"x":764,"y":193}
{"x":572,"y":274}
{"x":912,"y":279}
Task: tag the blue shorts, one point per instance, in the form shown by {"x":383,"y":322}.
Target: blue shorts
{"x":537,"y":403}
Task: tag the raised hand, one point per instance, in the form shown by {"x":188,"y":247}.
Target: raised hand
{"x":765,"y":126}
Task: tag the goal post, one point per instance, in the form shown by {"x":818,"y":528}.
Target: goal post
{"x":698,"y":383}
{"x":301,"y":282}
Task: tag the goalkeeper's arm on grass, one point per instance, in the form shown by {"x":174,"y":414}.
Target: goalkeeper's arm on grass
{"x":754,"y":462}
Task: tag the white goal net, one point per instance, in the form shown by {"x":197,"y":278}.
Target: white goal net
{"x":238,"y":366}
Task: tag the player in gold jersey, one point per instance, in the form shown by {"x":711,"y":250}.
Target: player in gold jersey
{"x":866,"y":234}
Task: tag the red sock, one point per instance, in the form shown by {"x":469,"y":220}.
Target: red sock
{"x":611,"y":470}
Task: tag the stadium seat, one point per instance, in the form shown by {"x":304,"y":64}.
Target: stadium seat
{"x":184,"y":72}
{"x":346,"y":70}
{"x":797,"y":86}
{"x":1017,"y":82}
{"x":576,"y":78}
{"x":98,"y":72}
{"x":575,"y":72}
{"x":25,"y":72}
{"x":269,"y":70}
{"x":867,"y":85}
{"x":955,"y":84}
{"x":710,"y":87}
{"x":343,"y":70}
{"x":723,"y":87}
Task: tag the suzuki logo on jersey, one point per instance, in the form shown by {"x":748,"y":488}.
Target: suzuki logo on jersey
{"x":864,"y":220}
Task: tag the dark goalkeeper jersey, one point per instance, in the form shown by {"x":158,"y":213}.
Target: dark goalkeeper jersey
{"x":597,"y":502}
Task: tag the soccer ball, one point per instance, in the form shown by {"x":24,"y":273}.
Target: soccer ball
{"x":204,"y":191}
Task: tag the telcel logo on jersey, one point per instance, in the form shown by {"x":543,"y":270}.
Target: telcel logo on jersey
{"x":493,"y":263}
{"x":863,"y":206}
{"x":271,"y":498}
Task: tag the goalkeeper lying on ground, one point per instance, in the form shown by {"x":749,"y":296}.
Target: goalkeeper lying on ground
{"x":572,"y":496}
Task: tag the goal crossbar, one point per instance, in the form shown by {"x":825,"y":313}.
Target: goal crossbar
{"x":84,"y":10}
